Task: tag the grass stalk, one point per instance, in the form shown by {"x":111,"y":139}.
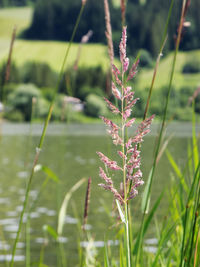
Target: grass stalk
{"x":196,"y":247}
{"x":123,"y":4}
{"x":162,"y":127}
{"x":191,"y":193}
{"x":164,"y":39}
{"x":28,"y":248}
{"x":38,"y":149}
{"x":194,"y":219}
{"x":127,"y":233}
{"x":108,"y":32}
{"x":8,"y":64}
{"x":3,"y":241}
{"x":87,"y":202}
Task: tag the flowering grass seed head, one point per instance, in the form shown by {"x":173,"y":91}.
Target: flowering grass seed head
{"x":130,"y":160}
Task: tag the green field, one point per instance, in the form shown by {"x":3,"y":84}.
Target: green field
{"x":43,"y":51}
{"x":53,"y":53}
{"x":92,"y":54}
{"x":180,"y":79}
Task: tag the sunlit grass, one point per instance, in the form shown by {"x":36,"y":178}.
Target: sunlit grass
{"x":52,"y":53}
{"x":10,"y":17}
{"x":180,"y":80}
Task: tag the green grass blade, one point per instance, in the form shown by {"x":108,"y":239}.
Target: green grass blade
{"x":191,"y":194}
{"x":165,"y":237}
{"x":164,"y":119}
{"x":122,"y":256}
{"x":190,"y":167}
{"x":106,"y":260}
{"x":41,"y":141}
{"x":47,"y":171}
{"x":147,"y":222}
{"x":50,"y":230}
{"x":194,"y":139}
{"x":153,"y":210}
{"x":145,"y":198}
{"x":121,"y":213}
{"x":63,"y":209}
{"x":177,"y":170}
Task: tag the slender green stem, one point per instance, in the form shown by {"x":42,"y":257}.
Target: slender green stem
{"x":184,"y":235}
{"x":38,"y":149}
{"x":192,"y":240}
{"x":60,"y":77}
{"x":187,"y":212}
{"x":154,"y":78}
{"x":28,"y":250}
{"x":24,"y":207}
{"x":196,"y":248}
{"x":128,"y":251}
{"x":195,"y":216}
{"x":164,"y":39}
{"x":127,"y":237}
{"x":162,"y":129}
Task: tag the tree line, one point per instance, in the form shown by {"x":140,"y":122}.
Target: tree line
{"x":54,"y":20}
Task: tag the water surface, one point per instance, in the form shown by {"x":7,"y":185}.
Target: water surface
{"x":70,"y":152}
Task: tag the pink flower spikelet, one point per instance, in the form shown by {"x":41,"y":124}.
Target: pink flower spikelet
{"x":129,"y":153}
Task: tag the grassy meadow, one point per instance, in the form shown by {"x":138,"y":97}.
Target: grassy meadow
{"x":42,"y":51}
{"x":52,"y":53}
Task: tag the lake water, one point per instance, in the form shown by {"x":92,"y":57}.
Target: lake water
{"x":70,"y":152}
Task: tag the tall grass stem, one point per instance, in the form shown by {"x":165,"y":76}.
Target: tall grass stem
{"x":163,"y":124}
{"x":38,"y":149}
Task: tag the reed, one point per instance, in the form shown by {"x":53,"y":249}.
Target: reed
{"x":109,"y":32}
{"x":128,"y":149}
{"x":8,"y":64}
{"x":87,"y":202}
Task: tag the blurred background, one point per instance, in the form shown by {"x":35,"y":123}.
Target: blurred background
{"x":44,"y":27}
{"x":34,"y":35}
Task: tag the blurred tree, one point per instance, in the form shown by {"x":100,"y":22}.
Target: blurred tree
{"x":55,"y":19}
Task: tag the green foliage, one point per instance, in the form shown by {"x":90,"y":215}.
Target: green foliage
{"x":79,"y":83}
{"x":138,"y":110}
{"x":21,"y":100}
{"x":95,"y":106}
{"x":14,"y":76}
{"x":5,"y":3}
{"x":38,"y":73}
{"x":145,"y":59}
{"x":192,"y":66}
{"x":41,"y":108}
{"x":53,"y":14}
{"x":48,"y":93}
{"x":15,"y":116}
{"x":86,"y":90}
